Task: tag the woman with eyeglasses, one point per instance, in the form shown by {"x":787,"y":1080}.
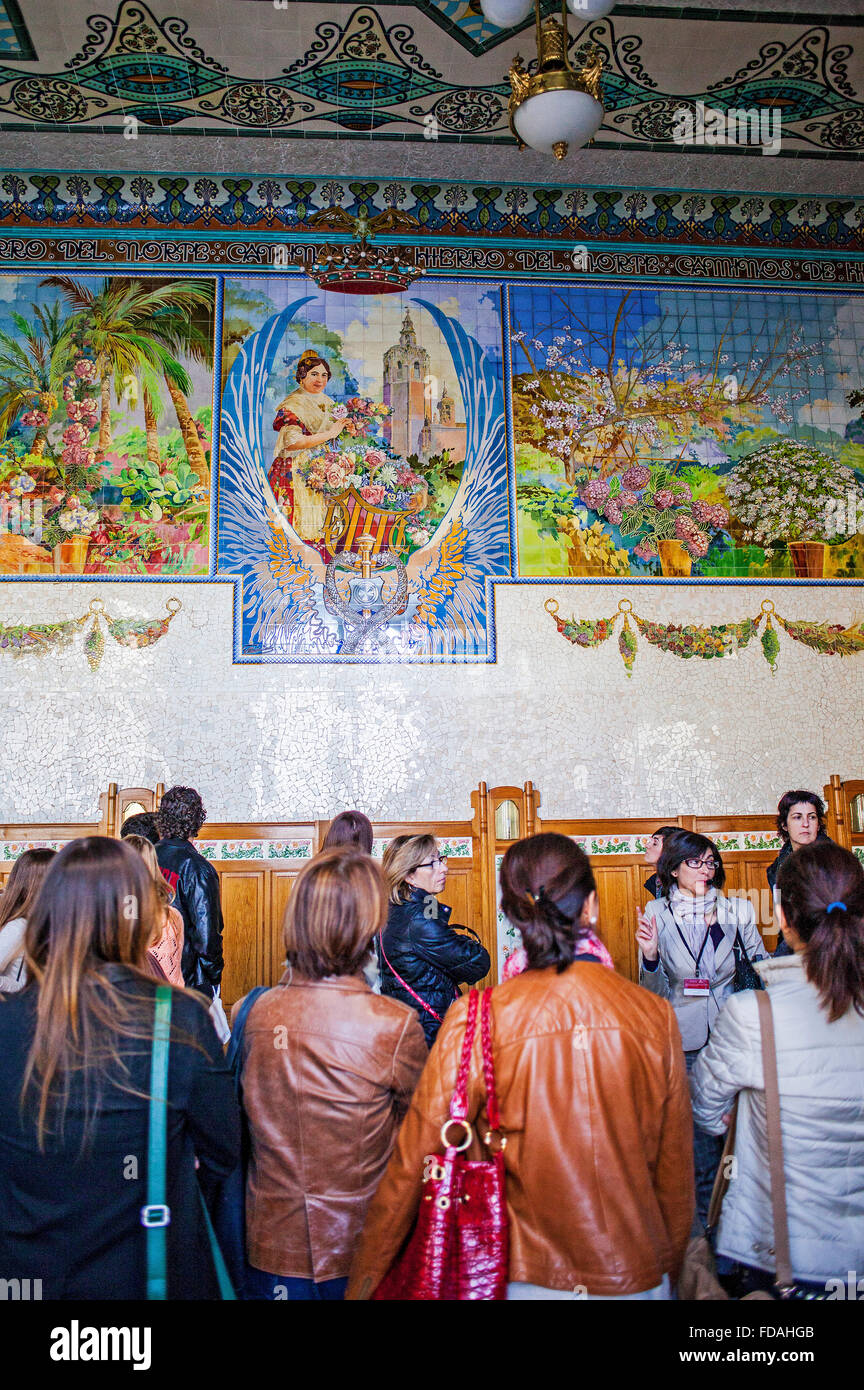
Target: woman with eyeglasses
{"x":687,"y":939}
{"x":422,"y":958}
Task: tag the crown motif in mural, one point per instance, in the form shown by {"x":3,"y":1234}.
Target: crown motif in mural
{"x":358,"y":267}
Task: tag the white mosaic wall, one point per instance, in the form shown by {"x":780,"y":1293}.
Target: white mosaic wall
{"x":291,"y":742}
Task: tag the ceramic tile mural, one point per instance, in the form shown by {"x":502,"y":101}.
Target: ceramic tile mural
{"x":106,"y":406}
{"x":400,"y":400}
{"x":669,"y":431}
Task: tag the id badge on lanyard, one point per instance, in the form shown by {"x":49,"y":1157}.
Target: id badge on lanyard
{"x":697,"y":986}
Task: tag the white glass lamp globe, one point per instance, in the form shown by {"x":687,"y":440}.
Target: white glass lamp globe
{"x":590,"y":9}
{"x":505,"y":13}
{"x":551,"y":119}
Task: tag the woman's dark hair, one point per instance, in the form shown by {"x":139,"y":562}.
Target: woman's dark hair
{"x":309,"y":360}
{"x":545,"y":880}
{"x":788,"y":800}
{"x":144,"y":823}
{"x":665,"y":830}
{"x":336,"y":907}
{"x":24,"y":883}
{"x":817,"y":877}
{"x":686,"y":844}
{"x":181,"y":814}
{"x":349,"y":828}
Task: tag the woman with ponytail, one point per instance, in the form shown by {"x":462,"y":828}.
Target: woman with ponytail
{"x":817,"y":1001}
{"x":75,"y":1061}
{"x":595,"y":1115}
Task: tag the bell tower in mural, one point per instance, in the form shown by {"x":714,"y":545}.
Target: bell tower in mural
{"x":406,"y":366}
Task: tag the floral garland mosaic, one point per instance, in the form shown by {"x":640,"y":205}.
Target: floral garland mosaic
{"x":718,"y":639}
{"x":23,"y":639}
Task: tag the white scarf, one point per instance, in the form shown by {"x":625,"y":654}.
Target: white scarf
{"x":693,"y":916}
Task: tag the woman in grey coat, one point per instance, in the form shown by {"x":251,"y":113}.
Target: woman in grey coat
{"x":817,"y":1001}
{"x":687,"y":939}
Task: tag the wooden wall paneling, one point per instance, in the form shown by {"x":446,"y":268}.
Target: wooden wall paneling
{"x":618,"y":887}
{"x":281,"y":882}
{"x":243,"y":890}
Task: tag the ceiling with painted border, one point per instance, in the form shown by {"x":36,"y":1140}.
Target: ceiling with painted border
{"x":396,"y":71}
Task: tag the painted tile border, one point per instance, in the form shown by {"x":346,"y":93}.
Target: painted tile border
{"x":452,"y":847}
{"x":254,"y":849}
{"x":734,"y":841}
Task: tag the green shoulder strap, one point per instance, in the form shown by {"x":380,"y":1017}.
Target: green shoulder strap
{"x":155,"y":1216}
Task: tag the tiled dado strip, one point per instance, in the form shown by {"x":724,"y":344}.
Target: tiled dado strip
{"x":498,"y":262}
{"x":728,"y":842}
{"x":218,"y":203}
{"x":455,"y":847}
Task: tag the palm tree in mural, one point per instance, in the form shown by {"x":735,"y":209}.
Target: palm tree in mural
{"x":120,"y":323}
{"x":32,"y":368}
{"x":186,"y":336}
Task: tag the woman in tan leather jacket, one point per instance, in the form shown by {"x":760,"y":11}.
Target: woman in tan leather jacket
{"x":594,"y":1107}
{"x":328,"y":1069}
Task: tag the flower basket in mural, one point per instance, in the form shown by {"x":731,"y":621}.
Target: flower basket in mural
{"x":792,"y":494}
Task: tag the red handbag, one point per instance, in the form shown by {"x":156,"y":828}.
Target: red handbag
{"x":459,"y":1248}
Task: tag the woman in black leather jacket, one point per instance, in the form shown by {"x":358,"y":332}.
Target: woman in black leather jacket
{"x":422,"y":958}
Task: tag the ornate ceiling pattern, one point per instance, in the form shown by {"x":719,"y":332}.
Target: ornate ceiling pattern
{"x":401,"y":71}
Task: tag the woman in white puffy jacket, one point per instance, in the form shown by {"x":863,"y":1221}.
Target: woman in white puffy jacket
{"x":817,"y":999}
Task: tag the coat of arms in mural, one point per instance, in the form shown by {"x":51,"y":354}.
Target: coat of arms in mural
{"x":366,"y":506}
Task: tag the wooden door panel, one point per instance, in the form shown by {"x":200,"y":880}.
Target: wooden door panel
{"x":243,"y":899}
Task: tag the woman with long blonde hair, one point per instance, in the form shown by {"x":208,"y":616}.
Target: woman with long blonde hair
{"x":75,"y":1064}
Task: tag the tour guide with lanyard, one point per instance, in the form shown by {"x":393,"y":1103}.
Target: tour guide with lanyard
{"x":156,"y":1215}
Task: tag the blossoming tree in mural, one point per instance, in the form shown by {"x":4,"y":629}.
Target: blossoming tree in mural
{"x":630,"y":414}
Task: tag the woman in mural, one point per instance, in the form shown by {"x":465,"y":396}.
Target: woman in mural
{"x":305,"y":423}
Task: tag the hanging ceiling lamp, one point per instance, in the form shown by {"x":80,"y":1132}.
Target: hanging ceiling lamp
{"x":506,"y":13}
{"x":555,"y":109}
{"x":590,"y":9}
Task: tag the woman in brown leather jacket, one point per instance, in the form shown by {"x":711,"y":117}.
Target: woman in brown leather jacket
{"x":328,"y":1069}
{"x":594,"y":1107}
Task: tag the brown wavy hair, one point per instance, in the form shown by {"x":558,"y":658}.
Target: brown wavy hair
{"x":181,"y":814}
{"x":337,"y":906}
{"x":545,"y":882}
{"x":23,"y":884}
{"x":96,"y":908}
{"x":813,"y":878}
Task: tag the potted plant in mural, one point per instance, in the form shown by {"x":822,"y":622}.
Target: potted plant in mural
{"x":653,"y":505}
{"x":789,"y":493}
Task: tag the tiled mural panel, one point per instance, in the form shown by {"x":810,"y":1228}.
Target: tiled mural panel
{"x":302,"y":742}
